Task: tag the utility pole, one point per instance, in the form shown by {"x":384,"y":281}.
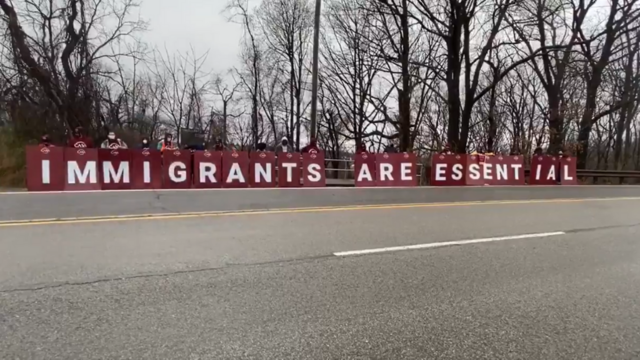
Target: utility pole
{"x":314,"y":74}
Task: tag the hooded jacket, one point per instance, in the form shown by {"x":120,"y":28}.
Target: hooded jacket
{"x":284,"y":149}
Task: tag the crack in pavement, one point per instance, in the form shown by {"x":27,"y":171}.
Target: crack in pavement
{"x":164,"y":274}
{"x":39,"y":287}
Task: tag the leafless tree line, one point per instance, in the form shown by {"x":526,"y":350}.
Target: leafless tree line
{"x":494,"y":75}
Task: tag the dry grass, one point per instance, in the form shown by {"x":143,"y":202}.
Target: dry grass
{"x":12,"y":160}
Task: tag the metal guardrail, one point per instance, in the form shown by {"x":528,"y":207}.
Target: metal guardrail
{"x":345,"y":174}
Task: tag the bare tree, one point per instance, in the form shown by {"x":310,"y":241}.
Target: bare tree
{"x":287,"y":28}
{"x":226,"y":95}
{"x":67,"y":50}
{"x":185,"y":84}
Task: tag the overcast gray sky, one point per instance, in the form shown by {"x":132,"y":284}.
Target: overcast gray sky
{"x":199,"y":23}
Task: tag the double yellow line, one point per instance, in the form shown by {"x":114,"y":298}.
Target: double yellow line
{"x":190,"y":215}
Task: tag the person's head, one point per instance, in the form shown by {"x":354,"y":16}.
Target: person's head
{"x":262,"y":146}
{"x":363,"y":146}
{"x":560,"y":153}
{"x":538,"y":151}
{"x":77,"y":132}
{"x":284,"y":141}
{"x":168,"y":137}
{"x":218,"y":141}
{"x":145,"y":141}
{"x":111,"y":135}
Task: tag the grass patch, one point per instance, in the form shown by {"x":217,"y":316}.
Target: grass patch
{"x":12,"y":159}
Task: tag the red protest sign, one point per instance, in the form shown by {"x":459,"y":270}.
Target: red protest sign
{"x":176,"y":169}
{"x":504,"y":170}
{"x":146,"y":169}
{"x":568,"y":171}
{"x":45,"y":168}
{"x":115,"y":169}
{"x":364,"y":169}
{"x":289,"y":169}
{"x":235,"y":169}
{"x":386,"y":165}
{"x":474,"y":174}
{"x":544,"y":170}
{"x":448,"y":170}
{"x":262,"y":169}
{"x":81,"y":169}
{"x":406,"y":170}
{"x":207,"y":169}
{"x":396,"y":169}
{"x":313,"y":169}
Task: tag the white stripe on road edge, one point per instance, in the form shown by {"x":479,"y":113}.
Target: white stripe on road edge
{"x":448,"y":243}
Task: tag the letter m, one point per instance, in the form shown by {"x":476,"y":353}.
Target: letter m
{"x":88,"y":173}
{"x":118,"y":176}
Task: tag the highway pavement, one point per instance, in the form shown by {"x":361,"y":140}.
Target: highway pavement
{"x":25,"y":205}
{"x":498,"y":278}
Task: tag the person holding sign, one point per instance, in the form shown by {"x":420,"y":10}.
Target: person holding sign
{"x":167,"y":143}
{"x":446,"y":150}
{"x":79,"y":140}
{"x":145,"y":145}
{"x":113,"y":142}
{"x":362,"y":149}
{"x":45,"y":141}
{"x":312,"y":148}
{"x":284,"y":146}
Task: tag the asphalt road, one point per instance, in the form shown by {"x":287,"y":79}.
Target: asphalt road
{"x":24,"y":205}
{"x":268,"y":285}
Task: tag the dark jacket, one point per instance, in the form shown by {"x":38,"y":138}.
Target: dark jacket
{"x":390,"y":149}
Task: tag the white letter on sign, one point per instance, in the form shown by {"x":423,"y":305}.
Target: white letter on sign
{"x":405,"y":172}
{"x":566,"y":173}
{"x":289,"y":167}
{"x":88,"y":173}
{"x":46,"y":172}
{"x":314,"y":172}
{"x":486,"y":171}
{"x":538,"y":171}
{"x":120,"y":176}
{"x":207,"y":173}
{"x":474,"y":169}
{"x":501,"y":172}
{"x":441,"y":171}
{"x":516,"y":171}
{"x":365,"y":173}
{"x":235,"y":173}
{"x":146,"y":172}
{"x":552,"y":173}
{"x":262,"y":173}
{"x":385,"y":172}
{"x":178,"y":176}
{"x":457,"y":172}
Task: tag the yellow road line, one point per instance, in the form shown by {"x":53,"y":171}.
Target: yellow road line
{"x":187,"y":215}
